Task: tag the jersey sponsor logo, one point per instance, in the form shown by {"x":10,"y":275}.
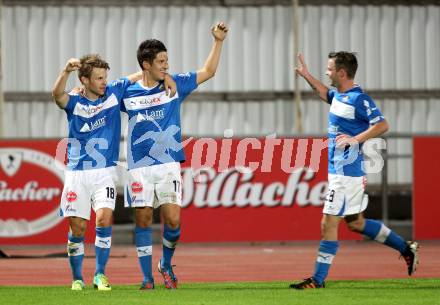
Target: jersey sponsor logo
{"x":71,"y":196}
{"x":148,"y":101}
{"x":151,"y":115}
{"x":85,"y":128}
{"x":93,"y":125}
{"x":136,"y":187}
{"x":89,"y":111}
{"x":342,"y":110}
{"x":29,"y":178}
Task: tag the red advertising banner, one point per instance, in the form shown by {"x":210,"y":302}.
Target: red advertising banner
{"x":30,"y":190}
{"x":255,"y":190}
{"x":426,"y":205}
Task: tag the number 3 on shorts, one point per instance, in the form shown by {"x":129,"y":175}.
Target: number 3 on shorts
{"x":330,"y":195}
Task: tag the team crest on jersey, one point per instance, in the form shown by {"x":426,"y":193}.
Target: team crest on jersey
{"x":136,"y":187}
{"x":71,"y":196}
{"x":345,"y":98}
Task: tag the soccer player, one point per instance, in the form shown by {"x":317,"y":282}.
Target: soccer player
{"x":93,"y":150}
{"x":155,"y":150}
{"x":353,"y":119}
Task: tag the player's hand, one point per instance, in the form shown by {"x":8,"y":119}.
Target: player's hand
{"x":344,"y":140}
{"x":219,"y":31}
{"x":302,"y":69}
{"x":72,"y":64}
{"x":78,"y":90}
{"x":170,"y":86}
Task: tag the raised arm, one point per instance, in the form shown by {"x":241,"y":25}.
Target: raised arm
{"x":316,"y":85}
{"x":59,"y":95}
{"x":219,"y":32}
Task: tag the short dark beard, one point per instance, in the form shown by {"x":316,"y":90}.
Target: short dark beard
{"x":95,"y":93}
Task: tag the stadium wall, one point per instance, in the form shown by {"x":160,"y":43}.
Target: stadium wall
{"x":397,"y":45}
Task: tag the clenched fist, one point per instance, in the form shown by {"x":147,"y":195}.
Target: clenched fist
{"x":72,"y":64}
{"x":219,"y":31}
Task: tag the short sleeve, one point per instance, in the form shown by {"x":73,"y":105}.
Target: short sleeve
{"x":73,"y":99}
{"x":367,"y":110}
{"x":330,"y":95}
{"x":186,"y":83}
{"x":119,"y":86}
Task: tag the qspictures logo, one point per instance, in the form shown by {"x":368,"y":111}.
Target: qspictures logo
{"x":30,"y":189}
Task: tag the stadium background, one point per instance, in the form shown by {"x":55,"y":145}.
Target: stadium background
{"x":397,"y":43}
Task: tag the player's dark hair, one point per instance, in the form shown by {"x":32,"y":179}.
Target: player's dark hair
{"x":346,"y":61}
{"x":90,"y":61}
{"x":148,"y":51}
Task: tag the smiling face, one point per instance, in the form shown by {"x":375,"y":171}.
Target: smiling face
{"x":159,"y":67}
{"x":341,"y":69}
{"x":97,"y":82}
{"x":93,"y":75}
{"x":332,"y":74}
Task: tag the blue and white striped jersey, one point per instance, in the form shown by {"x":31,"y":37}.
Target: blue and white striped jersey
{"x":351,"y":113}
{"x":95,"y":128}
{"x":154,"y":132}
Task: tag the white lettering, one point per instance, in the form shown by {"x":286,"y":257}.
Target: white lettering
{"x":29,"y":192}
{"x":234,"y":187}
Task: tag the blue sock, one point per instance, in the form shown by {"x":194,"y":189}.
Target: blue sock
{"x":75,"y":251}
{"x":377,"y":231}
{"x":144,"y":248}
{"x":103,"y":242}
{"x":326,"y":253}
{"x":170,"y":238}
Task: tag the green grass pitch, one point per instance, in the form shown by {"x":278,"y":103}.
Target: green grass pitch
{"x":386,"y":292}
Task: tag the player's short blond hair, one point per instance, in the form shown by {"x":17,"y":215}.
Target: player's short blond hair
{"x":90,"y":61}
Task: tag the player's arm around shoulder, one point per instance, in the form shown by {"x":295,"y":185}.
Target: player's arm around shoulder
{"x":134,"y":77}
{"x":209,"y":69}
{"x":59,"y":95}
{"x":169,"y":83}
